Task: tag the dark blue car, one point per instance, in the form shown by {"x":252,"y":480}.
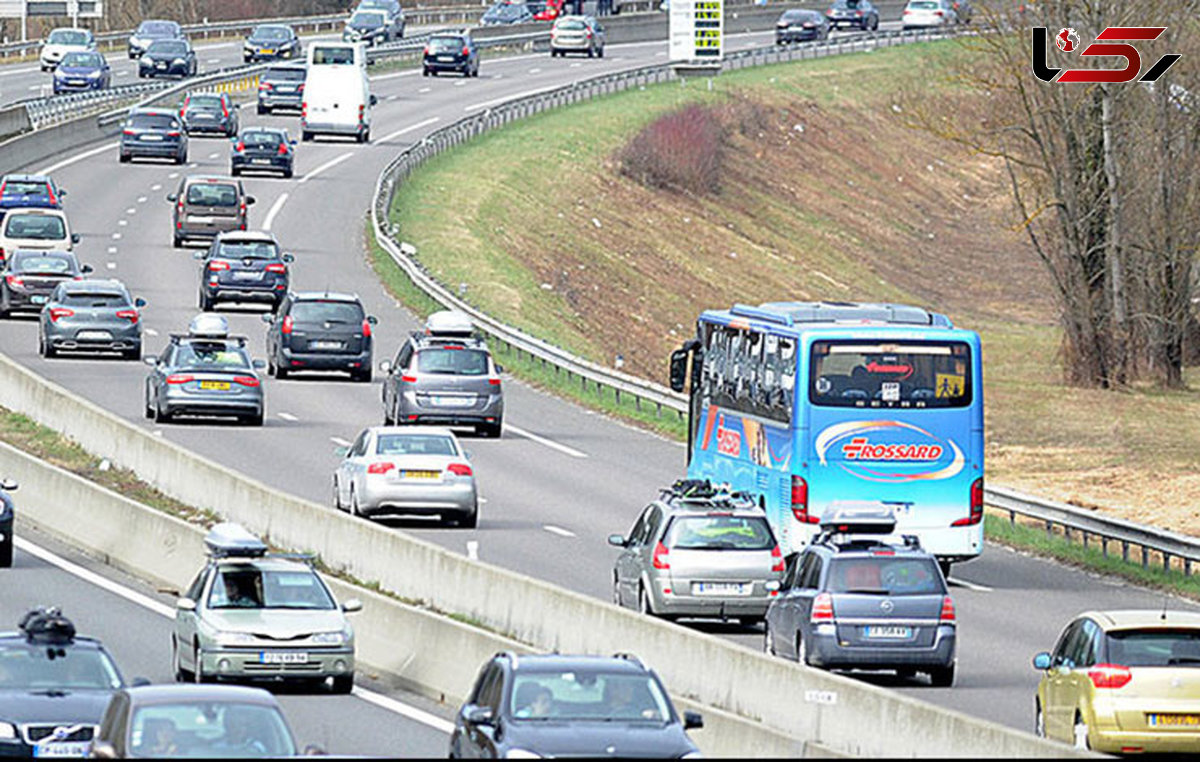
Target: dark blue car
{"x":25,"y":191}
{"x":82,"y":70}
{"x":6,"y":522}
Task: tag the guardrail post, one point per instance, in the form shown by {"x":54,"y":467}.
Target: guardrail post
{"x":1124,"y":551}
{"x":1166,"y":562}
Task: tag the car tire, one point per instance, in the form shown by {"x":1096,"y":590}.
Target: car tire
{"x":475,"y":71}
{"x":287,"y":174}
{"x":600,"y":52}
{"x":768,"y":641}
{"x":945,"y":566}
{"x":355,"y":511}
{"x":1081,"y":741}
{"x":1039,"y":720}
{"x":361,"y":376}
{"x":305,"y":136}
{"x":206,"y":302}
{"x":491,"y":430}
{"x":591,"y":52}
{"x":123,"y":157}
{"x":337,"y":499}
{"x":254,"y":420}
{"x":47,"y":349}
{"x":234,"y":171}
{"x":424,"y":72}
{"x":802,"y":650}
{"x":177,"y":242}
{"x":942,"y":677}
{"x":433,"y":72}
{"x":198,"y":675}
{"x":470,"y":520}
{"x":343,"y":684}
{"x":134,"y":354}
{"x":366,"y":136}
{"x":644,"y":605}
{"x":389,"y":418}
{"x":160,"y":415}
{"x":616,"y":591}
{"x":181,"y":675}
{"x":179,"y":160}
{"x":6,"y":553}
{"x":281,"y":372}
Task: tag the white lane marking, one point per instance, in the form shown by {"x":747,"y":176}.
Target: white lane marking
{"x":279,"y":202}
{"x":131,"y":210}
{"x":122,"y":73}
{"x":409,"y":73}
{"x":483,"y":501}
{"x":116,"y":236}
{"x":534,"y":70}
{"x":424,"y":89}
{"x":111,"y":265}
{"x":157,"y":186}
{"x":340,"y":442}
{"x":171,"y":176}
{"x":970,"y":585}
{"x":151,"y":332}
{"x":473,"y":550}
{"x":410,"y":128}
{"x":514,"y":96}
{"x":460,"y":83}
{"x":142,"y":199}
{"x":112,"y":249}
{"x":213,"y":60}
{"x":543,"y":441}
{"x":168,"y":612}
{"x":193,"y":165}
{"x":77,"y":157}
{"x":332,"y":162}
{"x":36,"y":87}
{"x":213,"y":155}
{"x":391,"y":97}
{"x":122,"y":223}
{"x":288,"y":417}
{"x":19,"y":71}
{"x":558,"y":531}
{"x":576,"y":65}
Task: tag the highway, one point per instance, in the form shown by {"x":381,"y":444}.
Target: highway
{"x":560,"y":480}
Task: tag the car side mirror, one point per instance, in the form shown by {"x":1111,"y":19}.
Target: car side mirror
{"x":151,"y":361}
{"x":250,"y":200}
{"x":473,"y":714}
{"x":341,"y":452}
{"x":86,"y":269}
{"x":74,"y":238}
{"x":62,"y":193}
{"x":1042,"y":661}
{"x":199,"y":255}
{"x":372,"y":320}
{"x":314,"y":750}
{"x":259,"y":364}
{"x":139,"y":302}
{"x":103,"y":750}
{"x":288,"y":258}
{"x":692,"y":721}
{"x":499,"y":368}
{"x":374,"y":100}
{"x":138,"y":682}
{"x":267,"y":318}
{"x":172,"y":197}
{"x":8,"y":485}
{"x":352,"y":606}
{"x":618,"y":541}
{"x":385,"y":367}
{"x":185,"y":604}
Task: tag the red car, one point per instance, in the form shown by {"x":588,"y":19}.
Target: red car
{"x":552,"y":11}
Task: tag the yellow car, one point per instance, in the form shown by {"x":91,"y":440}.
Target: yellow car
{"x":1123,"y":682}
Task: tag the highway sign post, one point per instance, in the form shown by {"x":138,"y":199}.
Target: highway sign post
{"x":696,"y":36}
{"x":75,"y":9}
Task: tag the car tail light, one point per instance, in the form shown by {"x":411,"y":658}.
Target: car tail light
{"x":49,"y":192}
{"x":466,"y":51}
{"x":277,"y":268}
{"x":776,"y":559}
{"x":380,"y":468}
{"x":130,"y":315}
{"x":264,"y":85}
{"x":366,"y":329}
{"x":180,"y":378}
{"x":659,"y":559}
{"x":173,"y":134}
{"x":494,"y":381}
{"x":976,"y":514}
{"x":459,"y":469}
{"x":13,"y":280}
{"x":800,"y":501}
{"x":939,"y":14}
{"x":858,"y":14}
{"x":239,"y":146}
{"x":128,"y":132}
{"x":883,"y":552}
{"x":182,"y":110}
{"x":947,"y":614}
{"x":218,"y":266}
{"x":409,"y":379}
{"x":360,"y":113}
{"x":225,"y":109}
{"x":246,"y":380}
{"x":286,"y":328}
{"x":822,"y":608}
{"x":283,"y":149}
{"x":907,"y":11}
{"x":426,"y":50}
{"x":829,"y":12}
{"x":60,"y":312}
{"x":300,"y":89}
{"x":1109,"y":675}
{"x":589,"y":34}
{"x":303,"y":109}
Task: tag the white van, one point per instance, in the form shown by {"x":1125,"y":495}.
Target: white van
{"x":337,"y":95}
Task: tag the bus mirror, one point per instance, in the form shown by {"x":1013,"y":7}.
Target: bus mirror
{"x":679,"y":360}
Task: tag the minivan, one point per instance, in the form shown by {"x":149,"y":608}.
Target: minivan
{"x":337,"y":96}
{"x":205,"y":206}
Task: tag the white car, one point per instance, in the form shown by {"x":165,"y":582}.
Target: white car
{"x":41,"y":229}
{"x":65,"y":40}
{"x":922,"y":14}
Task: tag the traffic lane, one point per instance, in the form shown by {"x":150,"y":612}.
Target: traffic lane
{"x":139,"y":640}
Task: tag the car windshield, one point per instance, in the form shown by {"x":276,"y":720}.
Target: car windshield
{"x":873,"y":374}
{"x":1155,"y":647}
{"x":385,"y":5}
{"x":270,"y":33}
{"x":212,"y":194}
{"x":458,"y":362}
{"x":79,"y":58}
{"x":415,"y":444}
{"x":885,"y":575}
{"x":67,"y":37}
{"x":204,"y":101}
{"x":285,"y":75}
{"x":93,"y":299}
{"x":212,"y":729}
{"x":923,"y":5}
{"x":260,"y":139}
{"x":156,"y":28}
{"x":153,"y":122}
{"x":243,"y":586}
{"x":588,"y":695}
{"x":796,"y":16}
{"x":43,"y":263}
{"x":333,"y":55}
{"x":24,"y":188}
{"x":248,"y":250}
{"x":719,"y":533}
{"x":367,"y":19}
{"x":211,"y":355}
{"x":573,"y":24}
{"x":37,"y":227}
{"x":30,"y":667}
{"x":326,"y":312}
{"x":167,"y":48}
{"x":446,"y":44}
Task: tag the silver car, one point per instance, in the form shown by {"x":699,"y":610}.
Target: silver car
{"x":698,"y":551}
{"x":922,"y":14}
{"x":577,"y":34}
{"x":419,"y":470}
{"x":91,"y":316}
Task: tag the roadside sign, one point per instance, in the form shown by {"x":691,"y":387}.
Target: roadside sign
{"x":696,"y":32}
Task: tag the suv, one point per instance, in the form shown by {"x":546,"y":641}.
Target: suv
{"x":206,"y":206}
{"x":698,"y":551}
{"x":396,"y":20}
{"x":320,"y":331}
{"x":243,"y":266}
{"x":851,"y":600}
{"x":555,"y":705}
{"x":153,"y":132}
{"x":281,"y":87}
{"x":444,"y":376}
{"x":7,"y":518}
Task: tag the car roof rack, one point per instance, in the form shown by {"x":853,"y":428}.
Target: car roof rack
{"x":703,"y":490}
{"x":230,"y":540}
{"x":863,"y":520}
{"x":47,"y":625}
{"x":626,"y":656}
{"x":240,"y":339}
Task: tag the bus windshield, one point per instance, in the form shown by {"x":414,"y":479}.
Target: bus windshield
{"x":887,"y":375}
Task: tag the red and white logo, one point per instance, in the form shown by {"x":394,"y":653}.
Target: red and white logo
{"x":860,"y":448}
{"x":1067,"y":40}
{"x":729,"y":442}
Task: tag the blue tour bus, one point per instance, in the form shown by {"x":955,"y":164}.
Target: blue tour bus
{"x":813,"y":403}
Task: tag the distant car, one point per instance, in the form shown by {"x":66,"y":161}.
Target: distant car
{"x":451,"y":52}
{"x":851,"y":600}
{"x":91,"y":316}
{"x":206,"y":205}
{"x":168,"y":58}
{"x":270,"y":42}
{"x":445,"y":376}
{"x":923,"y":14}
{"x":82,"y":70}
{"x":243,"y":266}
{"x":65,"y":40}
{"x":368,"y":27}
{"x":209,"y":112}
{"x":1122,"y":682}
{"x":7,"y":519}
{"x":404,"y":471}
{"x":800,"y":25}
{"x":154,"y":133}
{"x":150,"y":30}
{"x":36,"y":229}
{"x":263,"y":149}
{"x":281,"y":87}
{"x":395,"y":14}
{"x":320,"y":330}
{"x":853,"y":13}
{"x":29,"y":277}
{"x":205,"y":372}
{"x":560,"y":705}
{"x":206,"y":721}
{"x":23,"y":191}
{"x":505,"y":12}
{"x":698,"y":551}
{"x":577,"y":34}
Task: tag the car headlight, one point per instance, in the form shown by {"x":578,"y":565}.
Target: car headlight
{"x":331,"y":638}
{"x":94,"y":75}
{"x":58,"y":73}
{"x":521,"y":754}
{"x":234,"y":638}
{"x":7,"y":730}
{"x":180,"y":61}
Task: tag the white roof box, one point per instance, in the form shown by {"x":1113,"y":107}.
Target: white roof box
{"x":859,"y":517}
{"x":209,"y":326}
{"x":449,"y":323}
{"x":229,"y":540}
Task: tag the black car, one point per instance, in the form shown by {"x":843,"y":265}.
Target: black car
{"x":369,"y":27}
{"x":281,"y":87}
{"x":451,"y":52}
{"x":150,"y":30}
{"x":30,"y":277}
{"x":54,"y":687}
{"x":267,"y":149}
{"x":269,"y":42}
{"x":319,"y":331}
{"x":210,"y":112}
{"x":7,"y":518}
{"x":505,"y":12}
{"x":853,"y":13}
{"x":800,"y":25}
{"x":168,"y":58}
{"x":153,"y":132}
{"x":572,"y":706}
{"x":243,"y":266}
{"x":395,"y":14}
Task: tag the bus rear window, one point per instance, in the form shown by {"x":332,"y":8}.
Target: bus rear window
{"x":872,"y":374}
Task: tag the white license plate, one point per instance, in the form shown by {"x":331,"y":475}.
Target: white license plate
{"x":92,"y":335}
{"x":325,"y":344}
{"x":63,"y":749}
{"x":160,"y":65}
{"x":286,"y":89}
{"x":453,"y":401}
{"x":445,"y":58}
{"x":247,"y":275}
{"x":204,"y":116}
{"x":199,"y":219}
{"x":152,"y":137}
{"x":720,"y":588}
{"x":282,"y":657}
{"x":38,"y":299}
{"x":886,"y":631}
{"x":260,"y":161}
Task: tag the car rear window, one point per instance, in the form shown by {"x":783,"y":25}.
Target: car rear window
{"x":67,"y":37}
{"x":156,"y":27}
{"x":34,"y":226}
{"x":260,"y":139}
{"x":333,"y":56}
{"x":153,"y":122}
{"x":79,"y":58}
{"x":1155,"y":647}
{"x":93,"y":299}
{"x":285,"y":75}
{"x":23,"y":188}
{"x":885,"y":575}
{"x":204,"y":101}
{"x":270,"y":33}
{"x":445,"y":44}
{"x":923,"y":5}
{"x":212,"y":194}
{"x":458,"y":362}
{"x":247,"y":250}
{"x":205,"y":355}
{"x":326,"y":312}
{"x":414,"y":444}
{"x":573,"y":24}
{"x":719,"y":533}
{"x":43,"y":263}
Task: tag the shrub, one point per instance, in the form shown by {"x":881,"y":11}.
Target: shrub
{"x":680,"y":151}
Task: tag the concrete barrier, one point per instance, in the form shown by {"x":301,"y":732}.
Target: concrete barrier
{"x":13,"y":121}
{"x":32,"y":148}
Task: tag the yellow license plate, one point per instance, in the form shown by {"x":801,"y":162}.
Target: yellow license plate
{"x":419,"y":474}
{"x":267,"y":51}
{"x":1175,"y":720}
{"x":222,"y":386}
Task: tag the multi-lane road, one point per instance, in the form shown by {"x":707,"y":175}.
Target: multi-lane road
{"x":560,"y":480}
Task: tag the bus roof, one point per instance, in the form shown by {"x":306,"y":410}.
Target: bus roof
{"x":791,"y":314}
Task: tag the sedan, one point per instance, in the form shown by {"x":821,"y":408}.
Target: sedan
{"x":154,"y":133}
{"x":799,"y":26}
{"x":504,"y":12}
{"x":150,"y":30}
{"x":31,"y":276}
{"x":577,"y":34}
{"x":82,"y":71}
{"x":208,"y":374}
{"x":23,"y":191}
{"x":168,"y":58}
{"x":64,"y":41}
{"x":243,"y":266}
{"x":922,"y":14}
{"x":209,"y":112}
{"x":281,"y":87}
{"x":91,"y":316}
{"x":269,"y":42}
{"x":266,"y":149}
{"x":421,"y":470}
{"x":853,"y":13}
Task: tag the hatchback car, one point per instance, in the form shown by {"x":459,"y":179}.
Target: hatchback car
{"x":451,"y":52}
{"x":29,"y":277}
{"x":320,"y":330}
{"x":91,"y":316}
{"x":150,"y":30}
{"x":698,"y":551}
{"x":369,"y":27}
{"x":577,"y":34}
{"x":394,"y":12}
{"x":853,"y":13}
{"x":154,"y":133}
{"x":82,"y":70}
{"x":7,"y":519}
{"x":505,"y":12}
{"x":23,"y":191}
{"x":923,"y":14}
{"x":209,"y":112}
{"x":168,"y":58}
{"x":416,"y":470}
{"x":243,"y":266}
{"x":270,"y":42}
{"x":263,"y":149}
{"x":281,"y":87}
{"x":1123,"y":682}
{"x":35,"y":229}
{"x":446,"y":376}
{"x":205,"y":206}
{"x":558,"y":705}
{"x":799,"y":26}
{"x":850,"y":600}
{"x":66,"y":40}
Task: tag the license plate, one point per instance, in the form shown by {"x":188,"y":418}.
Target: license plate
{"x":445,"y":58}
{"x":1174,"y":720}
{"x":453,"y":401}
{"x":38,"y":299}
{"x":419,"y":474}
{"x":93,"y":335}
{"x":267,"y":52}
{"x":76,"y":82}
{"x":247,"y":275}
{"x":221,"y":386}
{"x":720,"y":588}
{"x":201,"y":220}
{"x":325,"y":344}
{"x":204,"y":116}
{"x":286,"y":89}
{"x":260,"y":161}
{"x":884,"y":631}
{"x":282,"y":657}
{"x":62,"y":749}
{"x":160,"y":65}
{"x":151,"y":137}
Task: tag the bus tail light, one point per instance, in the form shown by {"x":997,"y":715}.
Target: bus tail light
{"x":800,"y":501}
{"x":976,"y":514}
{"x":659,"y":560}
{"x":822,"y":609}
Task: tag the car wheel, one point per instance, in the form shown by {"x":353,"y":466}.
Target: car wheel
{"x":433,"y":72}
{"x":801,"y":650}
{"x":181,"y":674}
{"x":389,"y":415}
{"x":160,"y":415}
{"x":361,"y":376}
{"x":768,"y":640}
{"x":123,"y":157}
{"x":1039,"y":720}
{"x":47,"y":348}
{"x":942,"y":677}
{"x":491,"y":430}
{"x":254,"y":420}
{"x":470,"y":520}
{"x":600,"y":52}
{"x":6,"y":553}
{"x":644,"y":605}
{"x":616,"y":593}
{"x":354,"y":509}
{"x":149,"y":409}
{"x":235,"y":171}
{"x":206,"y":302}
{"x":945,"y":565}
{"x":424,"y":72}
{"x":134,"y":354}
{"x":343,"y":684}
{"x":366,"y":138}
{"x":591,"y":52}
{"x":475,"y":71}
{"x":280,"y":372}
{"x":260,"y":110}
{"x":1081,"y":733}
{"x":337,"y":498}
{"x":305,"y":136}
{"x":198,"y":675}
{"x":287,"y":174}
{"x":180,"y":159}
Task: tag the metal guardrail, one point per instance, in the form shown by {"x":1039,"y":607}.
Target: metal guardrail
{"x":44,"y":112}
